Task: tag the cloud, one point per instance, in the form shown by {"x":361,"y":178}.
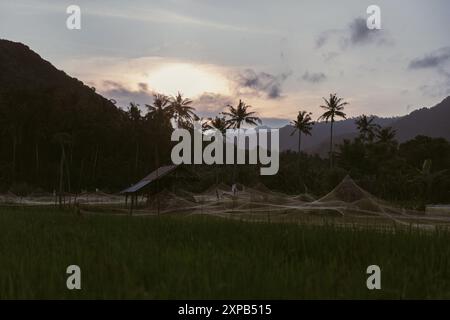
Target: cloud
{"x":359,"y":33}
{"x":328,"y":56}
{"x":260,"y":84}
{"x":436,"y":90}
{"x":355,"y":34}
{"x":436,"y":60}
{"x":325,"y":36}
{"x":123,"y":95}
{"x":314,"y":77}
{"x":163,"y":16}
{"x":208,"y":104}
{"x":432,"y":60}
{"x":211,"y":104}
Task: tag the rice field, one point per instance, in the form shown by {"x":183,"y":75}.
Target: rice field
{"x":206,"y":257}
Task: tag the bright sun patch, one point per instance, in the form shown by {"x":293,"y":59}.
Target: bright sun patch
{"x":191,"y":80}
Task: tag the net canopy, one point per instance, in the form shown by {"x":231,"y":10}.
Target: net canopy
{"x":346,"y":203}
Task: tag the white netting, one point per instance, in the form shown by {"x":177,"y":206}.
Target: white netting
{"x":43,"y":198}
{"x":346,"y":203}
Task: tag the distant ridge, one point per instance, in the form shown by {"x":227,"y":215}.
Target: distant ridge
{"x":432,"y":122}
{"x":320,"y":135}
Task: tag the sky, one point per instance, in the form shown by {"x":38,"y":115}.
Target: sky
{"x":278,"y":56}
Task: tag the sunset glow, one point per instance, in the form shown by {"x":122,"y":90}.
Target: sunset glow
{"x":191,"y":80}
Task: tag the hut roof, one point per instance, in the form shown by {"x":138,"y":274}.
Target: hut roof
{"x":155,"y":175}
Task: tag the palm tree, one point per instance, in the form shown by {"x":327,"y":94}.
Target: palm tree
{"x":386,"y":135}
{"x":303,"y":124}
{"x":181,"y":109}
{"x":237,"y":116}
{"x":189,"y":124}
{"x":334,"y":107}
{"x":159,"y":114}
{"x":366,"y":127}
{"x":159,"y":111}
{"x":134,"y":115}
{"x":218,"y":123}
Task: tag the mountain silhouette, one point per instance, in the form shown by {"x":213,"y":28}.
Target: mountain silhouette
{"x":24,"y":71}
{"x":39,"y":104}
{"x":432,"y":122}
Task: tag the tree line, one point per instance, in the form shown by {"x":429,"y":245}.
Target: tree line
{"x":48,"y":148}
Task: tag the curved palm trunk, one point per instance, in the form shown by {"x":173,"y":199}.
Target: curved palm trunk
{"x":299,"y":156}
{"x":331,"y":144}
{"x":234,"y":166}
{"x":299,"y":142}
{"x":235,"y":159}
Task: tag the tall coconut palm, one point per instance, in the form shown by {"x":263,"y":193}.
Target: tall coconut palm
{"x":159,"y":111}
{"x":181,"y":109}
{"x":134,"y":115}
{"x":237,"y":116}
{"x":334,"y":107}
{"x":366,"y":127}
{"x":218,"y":123}
{"x":159,"y":115}
{"x":302,"y":124}
{"x":240,"y":114}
